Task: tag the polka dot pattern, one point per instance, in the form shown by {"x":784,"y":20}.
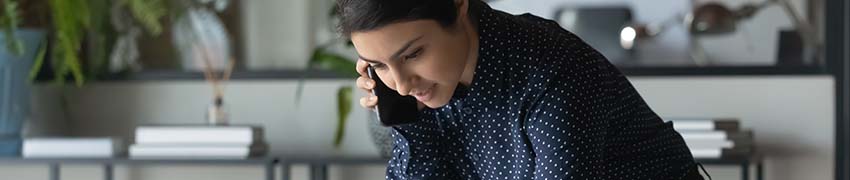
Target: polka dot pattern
{"x":542,"y":105}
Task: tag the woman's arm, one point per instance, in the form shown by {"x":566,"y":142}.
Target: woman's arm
{"x":417,"y":151}
{"x":560,"y":138}
{"x":588,"y":121}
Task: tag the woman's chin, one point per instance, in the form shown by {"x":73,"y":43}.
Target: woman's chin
{"x":440,"y":97}
{"x":437,"y":102}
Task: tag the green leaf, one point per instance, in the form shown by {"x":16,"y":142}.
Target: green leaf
{"x":70,"y":58}
{"x":99,"y":39}
{"x":39,"y":60}
{"x":343,"y":97}
{"x":148,"y":13}
{"x":81,"y":9}
{"x":9,"y":21}
{"x":60,"y":69}
{"x":299,"y":90}
{"x":73,"y":63}
{"x":324,"y":60}
{"x":70,"y":19}
{"x":329,"y":61}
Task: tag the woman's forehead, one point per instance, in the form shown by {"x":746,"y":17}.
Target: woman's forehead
{"x":381,"y":43}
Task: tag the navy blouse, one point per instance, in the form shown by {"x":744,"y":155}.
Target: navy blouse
{"x":542,"y":105}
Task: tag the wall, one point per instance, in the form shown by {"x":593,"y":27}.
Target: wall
{"x":792,"y":117}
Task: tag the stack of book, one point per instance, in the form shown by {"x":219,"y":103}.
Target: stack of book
{"x":715,"y":138}
{"x":198,"y":142}
{"x":66,"y":147}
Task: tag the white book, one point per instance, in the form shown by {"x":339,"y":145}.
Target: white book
{"x":693,"y":125}
{"x":703,"y":135}
{"x":70,"y":147}
{"x":706,"y":153}
{"x":710,"y":144}
{"x":140,"y":151}
{"x":705,"y":124}
{"x":243,"y":135}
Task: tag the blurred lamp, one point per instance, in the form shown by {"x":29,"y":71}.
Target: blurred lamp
{"x":627,"y":37}
{"x":631,"y":33}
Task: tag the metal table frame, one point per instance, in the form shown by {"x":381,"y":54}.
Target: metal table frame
{"x":108,"y":163}
{"x":744,"y":162}
{"x":318,"y":165}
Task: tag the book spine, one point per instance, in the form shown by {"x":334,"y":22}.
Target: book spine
{"x":706,"y":124}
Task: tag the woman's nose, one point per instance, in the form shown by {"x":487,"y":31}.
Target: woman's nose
{"x":403,"y":82}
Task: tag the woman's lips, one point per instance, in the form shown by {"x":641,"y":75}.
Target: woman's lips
{"x":426,"y":95}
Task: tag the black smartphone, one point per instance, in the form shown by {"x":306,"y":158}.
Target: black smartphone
{"x":392,"y":108}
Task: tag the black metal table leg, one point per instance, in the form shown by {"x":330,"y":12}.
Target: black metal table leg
{"x":745,"y":171}
{"x":54,"y":171}
{"x":108,"y":172}
{"x":285,"y":170}
{"x":270,"y":171}
{"x":760,"y":171}
{"x":319,"y":171}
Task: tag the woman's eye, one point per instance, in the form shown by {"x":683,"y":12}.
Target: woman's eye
{"x":378,"y":66}
{"x":414,"y":54}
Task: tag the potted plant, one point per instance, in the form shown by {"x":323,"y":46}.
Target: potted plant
{"x":81,"y":33}
{"x":67,"y":38}
{"x":325,"y":58}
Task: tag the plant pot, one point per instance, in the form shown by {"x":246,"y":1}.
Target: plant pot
{"x":15,"y":89}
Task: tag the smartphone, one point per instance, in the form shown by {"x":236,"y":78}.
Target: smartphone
{"x":392,"y":108}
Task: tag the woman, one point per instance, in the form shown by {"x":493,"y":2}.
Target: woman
{"x":505,"y":97}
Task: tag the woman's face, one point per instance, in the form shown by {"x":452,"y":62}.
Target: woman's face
{"x":420,"y":58}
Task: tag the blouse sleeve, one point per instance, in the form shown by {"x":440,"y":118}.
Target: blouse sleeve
{"x":559,"y":136}
{"x":417,"y":151}
{"x":587,"y":121}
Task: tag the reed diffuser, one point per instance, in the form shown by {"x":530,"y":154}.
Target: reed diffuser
{"x":217,"y":112}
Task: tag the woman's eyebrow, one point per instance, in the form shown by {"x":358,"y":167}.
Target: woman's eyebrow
{"x":404,"y":48}
{"x":396,"y":54}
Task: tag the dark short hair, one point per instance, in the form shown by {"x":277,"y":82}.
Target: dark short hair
{"x":365,"y":15}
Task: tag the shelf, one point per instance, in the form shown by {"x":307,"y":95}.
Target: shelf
{"x":149,"y":75}
{"x":724,"y":71}
{"x":158,"y":75}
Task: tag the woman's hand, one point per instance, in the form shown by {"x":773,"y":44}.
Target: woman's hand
{"x":366,"y":84}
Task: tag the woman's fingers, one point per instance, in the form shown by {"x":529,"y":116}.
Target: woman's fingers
{"x":361,"y":67}
{"x":365,"y":84}
{"x":369,"y":101}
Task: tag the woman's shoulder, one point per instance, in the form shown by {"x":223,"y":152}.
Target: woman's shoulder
{"x":538,"y":43}
{"x":537,"y":55}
